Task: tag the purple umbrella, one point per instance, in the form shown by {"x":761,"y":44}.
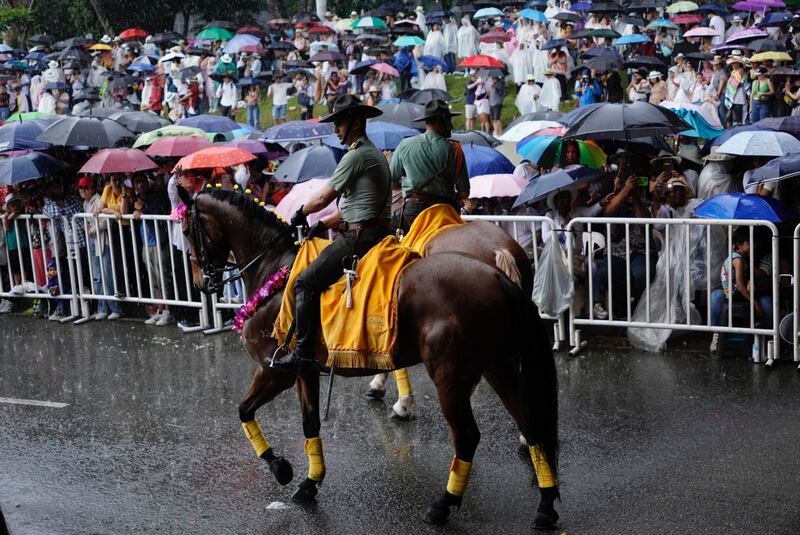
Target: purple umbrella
{"x":749,"y":6}
{"x":210,"y":123}
{"x":727,"y":48}
{"x":746,"y":35}
{"x":790,"y":125}
{"x":297,"y":131}
{"x":250,"y":145}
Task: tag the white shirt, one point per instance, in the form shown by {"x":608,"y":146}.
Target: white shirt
{"x":228,"y":95}
{"x":47,"y":103}
{"x":717,"y":24}
{"x":279,"y":93}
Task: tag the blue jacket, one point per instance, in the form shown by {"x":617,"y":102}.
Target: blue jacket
{"x":589,"y":95}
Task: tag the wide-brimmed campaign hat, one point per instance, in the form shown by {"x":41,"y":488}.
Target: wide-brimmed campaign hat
{"x":350,"y":105}
{"x":436,"y":108}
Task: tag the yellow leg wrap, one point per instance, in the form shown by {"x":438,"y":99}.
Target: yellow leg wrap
{"x":459,"y":476}
{"x":316,"y":461}
{"x":403,"y":384}
{"x":253,"y":433}
{"x":543,"y":473}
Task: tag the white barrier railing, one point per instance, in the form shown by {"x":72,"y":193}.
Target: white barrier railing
{"x":795,"y":334}
{"x":694,"y":243}
{"x":524,"y":228}
{"x":38,"y":240}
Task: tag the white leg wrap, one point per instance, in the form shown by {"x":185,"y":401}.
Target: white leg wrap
{"x":378,"y":382}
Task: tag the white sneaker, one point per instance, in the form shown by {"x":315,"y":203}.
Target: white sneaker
{"x":165,"y":319}
{"x":56,"y":316}
{"x":600,"y":311}
{"x":6,"y":306}
{"x":153,"y":319}
{"x":714,"y":347}
{"x":100,"y":316}
{"x":17,"y":290}
{"x":114,"y":316}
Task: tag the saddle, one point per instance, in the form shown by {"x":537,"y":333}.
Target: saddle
{"x":364,"y":335}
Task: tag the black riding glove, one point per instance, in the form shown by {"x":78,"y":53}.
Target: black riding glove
{"x":299,"y":219}
{"x":317,"y":230}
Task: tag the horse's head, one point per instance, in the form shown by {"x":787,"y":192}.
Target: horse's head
{"x":210,"y":247}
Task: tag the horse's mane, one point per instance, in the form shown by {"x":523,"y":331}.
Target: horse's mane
{"x":250,"y":209}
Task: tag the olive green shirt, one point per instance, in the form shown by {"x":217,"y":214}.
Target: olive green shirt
{"x":419,"y":158}
{"x":362,"y":179}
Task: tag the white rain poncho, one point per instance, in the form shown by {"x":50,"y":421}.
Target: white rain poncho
{"x":468,"y":39}
{"x":551,"y":94}
{"x":527,"y":101}
{"x":521,"y":64}
{"x":434,"y":80}
{"x":715,"y":178}
{"x":434,"y":44}
{"x":671,"y":266}
{"x":450,"y":32}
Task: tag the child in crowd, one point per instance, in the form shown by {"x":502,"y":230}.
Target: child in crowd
{"x":55,"y":304}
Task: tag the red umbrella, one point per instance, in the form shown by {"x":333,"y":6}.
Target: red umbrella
{"x":495,"y":37}
{"x":215,"y":157}
{"x":686,"y":18}
{"x":320,"y":29}
{"x":118,"y":161}
{"x":172,"y":147}
{"x":255,"y":49}
{"x":252,"y":30}
{"x":385,"y":68}
{"x":480,"y":61}
{"x":133,"y":33}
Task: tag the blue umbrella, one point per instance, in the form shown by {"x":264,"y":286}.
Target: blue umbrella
{"x":773,"y":170}
{"x":36,"y":56}
{"x":4,"y":48}
{"x":488,"y":12}
{"x":713,"y":8}
{"x":385,"y":136}
{"x":582,"y":6}
{"x":632,"y":39}
{"x":554,"y":43}
{"x":297,"y":131}
{"x":22,"y":136}
{"x":485,"y":161}
{"x":739,"y":205}
{"x":700,"y":127}
{"x":307,"y":163}
{"x":432,"y":61}
{"x":533,"y":14}
{"x":601,"y":52}
{"x":362,"y":67}
{"x":210,"y":123}
{"x":141,"y":67}
{"x":28,"y":167}
{"x":730,"y":133}
{"x":542,"y":186}
{"x":775,"y":19}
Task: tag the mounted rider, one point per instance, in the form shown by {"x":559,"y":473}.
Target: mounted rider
{"x":364,"y":218}
{"x":430,"y":167}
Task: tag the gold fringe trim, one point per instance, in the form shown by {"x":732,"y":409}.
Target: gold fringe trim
{"x":360,"y":359}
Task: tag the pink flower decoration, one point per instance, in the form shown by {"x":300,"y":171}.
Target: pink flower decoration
{"x":275,"y":282}
{"x":180,"y":213}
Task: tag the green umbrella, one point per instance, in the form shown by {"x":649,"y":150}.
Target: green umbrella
{"x":409,"y":40}
{"x":27,"y":116}
{"x":167,"y":131}
{"x":215,"y":34}
{"x":368,"y":22}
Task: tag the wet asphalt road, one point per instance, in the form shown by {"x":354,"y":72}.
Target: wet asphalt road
{"x":150,"y":443}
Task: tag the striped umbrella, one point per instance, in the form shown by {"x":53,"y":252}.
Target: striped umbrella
{"x":546,"y":152}
{"x":368,"y":22}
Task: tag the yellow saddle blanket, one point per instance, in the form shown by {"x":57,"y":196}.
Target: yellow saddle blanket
{"x":365,"y":335}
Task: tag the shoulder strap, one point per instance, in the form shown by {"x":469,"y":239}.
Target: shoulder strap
{"x":459,"y":153}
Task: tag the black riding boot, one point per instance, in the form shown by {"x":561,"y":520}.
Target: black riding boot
{"x":306,"y":319}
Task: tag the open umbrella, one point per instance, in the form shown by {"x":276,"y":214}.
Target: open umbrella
{"x":742,"y":206}
{"x":328,"y":56}
{"x":542,"y":186}
{"x":605,"y":7}
{"x":294,"y":131}
{"x":215,"y":34}
{"x":487,"y":13}
{"x":167,"y":131}
{"x":385,"y":68}
{"x":771,"y":56}
{"x":118,"y":161}
{"x":626,"y":121}
{"x":133,"y":33}
{"x":743,"y":36}
{"x":495,"y":37}
{"x":423,"y":96}
{"x":402,"y":113}
{"x":362,"y":67}
{"x":547,"y":152}
{"x":177,"y":146}
{"x":302,"y":194}
{"x":776,"y":19}
{"x":432,"y":61}
{"x":523,"y":129}
{"x":544,"y":115}
{"x":28,"y":167}
{"x":687,"y":18}
{"x":481,"y":61}
{"x":766,"y":45}
{"x":139,"y":121}
{"x":304,"y":164}
{"x":498,"y":185}
{"x":632,"y":39}
{"x":250,"y":145}
{"x":534,"y":15}
{"x":681,"y":7}
{"x":85,"y":131}
{"x":385,"y":136}
{"x":216,"y":156}
{"x":165,"y":37}
{"x":732,"y":132}
{"x":697,"y":118}
{"x":598,"y":32}
{"x":209,"y":123}
{"x":777,"y":169}
{"x":662,"y":23}
{"x":648,"y":62}
{"x":22,"y":136}
{"x":368,"y":23}
{"x":474,"y":137}
{"x":790,"y":125}
{"x":701,"y":32}
{"x":408,"y":40}
{"x":552,"y":44}
{"x":761,"y":143}
{"x":567,"y":16}
{"x":485,"y":161}
{"x":238,"y":41}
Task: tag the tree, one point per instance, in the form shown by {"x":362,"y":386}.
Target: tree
{"x":16,"y":22}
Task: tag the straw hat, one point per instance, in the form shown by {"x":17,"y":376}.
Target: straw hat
{"x":226,"y":58}
{"x":420,"y":9}
{"x":548,"y":72}
{"x":716,"y":156}
{"x":717,"y":60}
{"x":530,"y":78}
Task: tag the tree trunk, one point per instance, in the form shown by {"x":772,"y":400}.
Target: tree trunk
{"x":101,"y":17}
{"x":322,"y":7}
{"x":186,"y":14}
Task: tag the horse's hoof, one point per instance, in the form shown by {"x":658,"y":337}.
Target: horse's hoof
{"x":439,"y":510}
{"x":375,"y":393}
{"x":402,"y":416}
{"x":282,"y":470}
{"x":306,"y":492}
{"x":546,"y":520}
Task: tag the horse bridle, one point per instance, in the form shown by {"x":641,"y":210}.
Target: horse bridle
{"x":197,"y":233}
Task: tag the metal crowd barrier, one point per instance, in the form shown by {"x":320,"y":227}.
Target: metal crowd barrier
{"x":523,"y":229}
{"x":32,"y":262}
{"x":667,"y":228}
{"x":795,"y":334}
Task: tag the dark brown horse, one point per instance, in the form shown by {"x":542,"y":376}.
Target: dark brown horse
{"x":461,"y":317}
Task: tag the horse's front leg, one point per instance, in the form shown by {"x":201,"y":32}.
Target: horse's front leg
{"x":308,"y":390}
{"x":377,"y":387}
{"x":405,"y":397}
{"x":266,"y":385}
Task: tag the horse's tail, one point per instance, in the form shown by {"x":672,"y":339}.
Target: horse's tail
{"x":538,"y":379}
{"x":506,"y":263}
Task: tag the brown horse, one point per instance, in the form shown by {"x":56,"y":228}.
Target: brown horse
{"x":461,"y":317}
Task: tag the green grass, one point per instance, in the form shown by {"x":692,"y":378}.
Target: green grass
{"x":455,"y":86}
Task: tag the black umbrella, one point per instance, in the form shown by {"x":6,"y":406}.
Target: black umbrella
{"x":376,"y":51}
{"x":602,"y":51}
{"x":99,"y":112}
{"x":75,"y":54}
{"x":121,"y":84}
{"x":491,"y":73}
{"x":298,"y":64}
{"x":392,"y":7}
{"x":699,"y":56}
{"x":220,"y":76}
{"x":280,"y":45}
{"x":766,"y":45}
{"x":328,"y":56}
{"x":402,"y":113}
{"x":466,"y":8}
{"x":649,"y":62}
{"x":474,"y":137}
{"x":42,"y":39}
{"x":79,"y":42}
{"x":565,"y":16}
{"x":91,"y":132}
{"x":424,"y":96}
{"x":606,"y":7}
{"x":625,"y":122}
{"x":634,"y":21}
{"x":601,"y":63}
{"x":599,"y":32}
{"x":166,"y":37}
{"x":646,"y":5}
{"x":139,"y":122}
{"x":372,"y":38}
{"x":189,"y":72}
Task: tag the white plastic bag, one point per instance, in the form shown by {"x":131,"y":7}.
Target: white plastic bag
{"x":553,"y":287}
